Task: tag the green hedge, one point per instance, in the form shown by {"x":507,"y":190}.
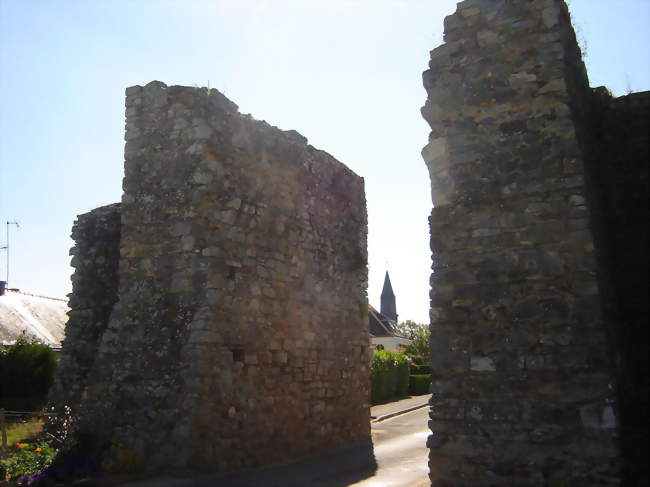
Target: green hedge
{"x":419,"y":384}
{"x":420,"y":369}
{"x":27,"y":370}
{"x":389,"y":375}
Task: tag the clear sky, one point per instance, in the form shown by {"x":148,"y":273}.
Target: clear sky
{"x":344,"y":73}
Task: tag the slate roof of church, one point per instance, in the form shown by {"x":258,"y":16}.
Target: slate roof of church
{"x":42,"y":317}
{"x":381,"y":325}
{"x":388,"y":305}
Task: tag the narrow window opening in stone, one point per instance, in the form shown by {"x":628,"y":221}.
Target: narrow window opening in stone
{"x":237,"y":354}
{"x":231,"y":272}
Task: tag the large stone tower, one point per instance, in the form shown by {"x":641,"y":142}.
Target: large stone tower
{"x":219,"y":315}
{"x":523,"y":391}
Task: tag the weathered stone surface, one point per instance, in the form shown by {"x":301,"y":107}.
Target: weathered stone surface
{"x":95,"y":258}
{"x":240,"y":334}
{"x":523,"y":386}
{"x":618,"y":176}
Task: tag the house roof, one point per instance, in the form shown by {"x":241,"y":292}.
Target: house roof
{"x":381,"y":325}
{"x":42,"y":317}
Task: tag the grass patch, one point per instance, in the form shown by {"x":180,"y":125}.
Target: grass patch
{"x":23,"y":431}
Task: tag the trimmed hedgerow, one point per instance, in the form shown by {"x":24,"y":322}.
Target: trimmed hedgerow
{"x":419,"y":384}
{"x":420,"y":369}
{"x":389,"y":374}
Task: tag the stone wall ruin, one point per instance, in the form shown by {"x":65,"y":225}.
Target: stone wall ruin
{"x":239,"y":334}
{"x":534,"y":330}
{"x":227,"y":291}
{"x":618,"y":178}
{"x":95,"y":257}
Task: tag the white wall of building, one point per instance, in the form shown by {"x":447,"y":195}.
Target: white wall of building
{"x":390,"y":343}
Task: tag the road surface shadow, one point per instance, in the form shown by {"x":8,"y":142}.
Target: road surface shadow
{"x":335,"y":469}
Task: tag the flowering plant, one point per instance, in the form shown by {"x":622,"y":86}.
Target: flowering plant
{"x":29,"y":459}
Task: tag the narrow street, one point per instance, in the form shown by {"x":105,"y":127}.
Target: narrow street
{"x":398,"y":458}
{"x":400,"y":451}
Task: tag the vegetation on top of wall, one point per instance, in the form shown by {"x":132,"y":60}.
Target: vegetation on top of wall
{"x":581,"y":38}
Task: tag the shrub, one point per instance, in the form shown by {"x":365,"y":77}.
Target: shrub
{"x":402,"y":373}
{"x":28,"y":459}
{"x":416,"y":359}
{"x":27,"y":369}
{"x":389,"y":375}
{"x":419,"y":384}
{"x":420,"y":369}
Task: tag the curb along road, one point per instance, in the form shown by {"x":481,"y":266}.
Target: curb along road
{"x":397,"y":413}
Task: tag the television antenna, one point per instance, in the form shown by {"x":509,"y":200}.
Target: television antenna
{"x":6,"y":248}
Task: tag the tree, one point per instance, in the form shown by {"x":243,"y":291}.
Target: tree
{"x":27,"y":370}
{"x":419,"y":334}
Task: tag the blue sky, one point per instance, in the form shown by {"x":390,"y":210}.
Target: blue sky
{"x":344,"y":73}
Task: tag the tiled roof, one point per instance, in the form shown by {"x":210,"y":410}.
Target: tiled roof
{"x":42,"y":317}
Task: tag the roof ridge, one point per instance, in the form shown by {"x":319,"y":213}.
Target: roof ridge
{"x":8,"y":291}
{"x":378,"y":316}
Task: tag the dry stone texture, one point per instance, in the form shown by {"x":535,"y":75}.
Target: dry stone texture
{"x":618,"y":176}
{"x":239,"y":337}
{"x":524,"y":392}
{"x":95,"y":258}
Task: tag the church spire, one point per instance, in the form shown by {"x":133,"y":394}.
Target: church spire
{"x":388,"y":306}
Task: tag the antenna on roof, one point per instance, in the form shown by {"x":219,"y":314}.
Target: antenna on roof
{"x":6,"y":247}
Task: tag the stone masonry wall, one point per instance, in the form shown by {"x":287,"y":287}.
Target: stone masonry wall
{"x":523,"y":392}
{"x":95,"y":258}
{"x":619,"y":182}
{"x":240,"y":335}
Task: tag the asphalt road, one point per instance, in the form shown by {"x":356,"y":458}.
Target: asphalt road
{"x":400,"y":451}
{"x":397,"y":458}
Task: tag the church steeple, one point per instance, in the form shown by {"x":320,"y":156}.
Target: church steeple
{"x":388,"y":306}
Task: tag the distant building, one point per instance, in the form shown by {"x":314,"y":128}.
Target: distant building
{"x":383,"y":324}
{"x":38,"y":316}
